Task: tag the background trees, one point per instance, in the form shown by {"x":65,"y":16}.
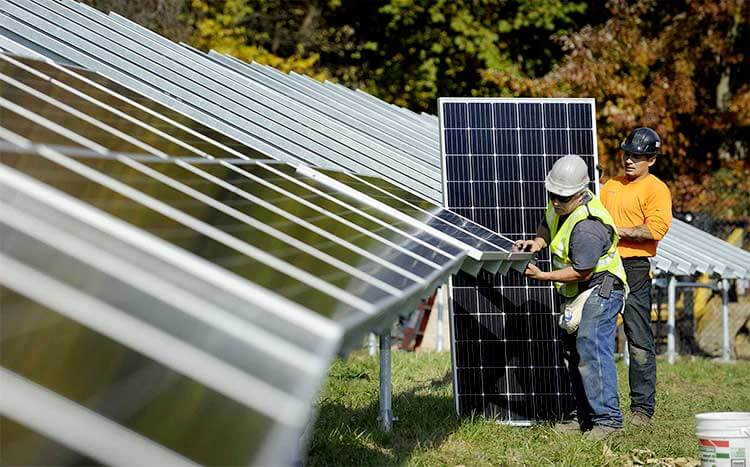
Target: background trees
{"x":681,"y":66}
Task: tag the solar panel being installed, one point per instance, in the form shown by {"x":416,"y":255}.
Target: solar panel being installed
{"x":508,"y":361}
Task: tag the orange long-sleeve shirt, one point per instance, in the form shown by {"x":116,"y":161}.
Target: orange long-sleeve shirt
{"x":646,"y":201}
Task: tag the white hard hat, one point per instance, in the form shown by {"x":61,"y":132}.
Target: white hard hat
{"x":568,"y":176}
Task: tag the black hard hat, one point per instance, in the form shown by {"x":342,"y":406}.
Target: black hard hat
{"x":642,"y":141}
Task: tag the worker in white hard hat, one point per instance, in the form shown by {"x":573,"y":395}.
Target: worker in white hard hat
{"x":587,"y":272}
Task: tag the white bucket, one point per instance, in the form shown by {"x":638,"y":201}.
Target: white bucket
{"x":724,"y":439}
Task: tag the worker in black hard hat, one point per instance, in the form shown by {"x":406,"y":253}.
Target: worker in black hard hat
{"x":641,"y":207}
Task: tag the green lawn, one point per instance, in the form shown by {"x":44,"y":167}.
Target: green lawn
{"x":429,"y":433}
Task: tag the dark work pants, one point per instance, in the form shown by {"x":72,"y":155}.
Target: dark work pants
{"x":642,"y":371}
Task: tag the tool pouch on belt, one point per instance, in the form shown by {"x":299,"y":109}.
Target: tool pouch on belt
{"x":572,"y":311}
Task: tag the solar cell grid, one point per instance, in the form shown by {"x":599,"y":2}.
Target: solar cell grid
{"x":496,"y":154}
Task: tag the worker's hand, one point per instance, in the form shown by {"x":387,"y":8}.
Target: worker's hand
{"x":533,"y":272}
{"x":623,"y":232}
{"x":527,"y":245}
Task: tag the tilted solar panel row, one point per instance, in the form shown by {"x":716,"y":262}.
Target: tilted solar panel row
{"x":213,"y":94}
{"x":107,"y":194}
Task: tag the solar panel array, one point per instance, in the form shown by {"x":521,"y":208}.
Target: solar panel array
{"x":151,"y":102}
{"x":508,"y":360}
{"x":409,"y":139}
{"x":179,"y":271}
{"x":336,"y":134}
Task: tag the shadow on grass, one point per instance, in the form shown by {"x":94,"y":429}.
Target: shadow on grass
{"x":352,"y":436}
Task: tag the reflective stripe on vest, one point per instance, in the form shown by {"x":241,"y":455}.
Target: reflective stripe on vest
{"x":560,"y":243}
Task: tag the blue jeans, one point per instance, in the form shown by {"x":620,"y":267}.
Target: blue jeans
{"x":642,"y":372}
{"x":591,"y":362}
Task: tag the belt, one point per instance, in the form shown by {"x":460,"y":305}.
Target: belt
{"x":636,"y":259}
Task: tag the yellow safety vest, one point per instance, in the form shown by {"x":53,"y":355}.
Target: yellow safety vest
{"x":560,"y":242}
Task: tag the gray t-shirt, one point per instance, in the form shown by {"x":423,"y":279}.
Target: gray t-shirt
{"x":589,"y":240}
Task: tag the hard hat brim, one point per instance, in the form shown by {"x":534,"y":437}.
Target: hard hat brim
{"x":633,"y":149}
{"x":560,"y":190}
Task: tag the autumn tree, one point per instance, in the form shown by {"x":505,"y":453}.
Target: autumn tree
{"x":679,"y":67}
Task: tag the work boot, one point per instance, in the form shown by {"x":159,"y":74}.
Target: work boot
{"x":569,"y":426}
{"x":640,"y":419}
{"x":602,"y":433}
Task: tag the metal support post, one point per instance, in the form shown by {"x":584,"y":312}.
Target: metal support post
{"x":386,"y":390}
{"x":725,"y":320}
{"x":671,"y":299}
{"x":440,"y":317}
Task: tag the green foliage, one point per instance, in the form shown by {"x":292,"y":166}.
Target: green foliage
{"x":432,"y":48}
{"x":406,"y":51}
{"x":239,"y":28}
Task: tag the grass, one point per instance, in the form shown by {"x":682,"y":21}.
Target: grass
{"x":429,"y":433}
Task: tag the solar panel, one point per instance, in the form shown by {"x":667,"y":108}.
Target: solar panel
{"x":90,"y":157}
{"x":508,"y":360}
{"x":27,"y":82}
{"x":218,"y":96}
{"x":150,"y":331}
{"x":425,"y":211}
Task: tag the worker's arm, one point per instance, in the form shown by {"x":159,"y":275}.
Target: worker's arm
{"x":588,"y":241}
{"x":639,"y":233}
{"x":658,"y":216}
{"x":568,"y":274}
{"x":540,"y":241}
